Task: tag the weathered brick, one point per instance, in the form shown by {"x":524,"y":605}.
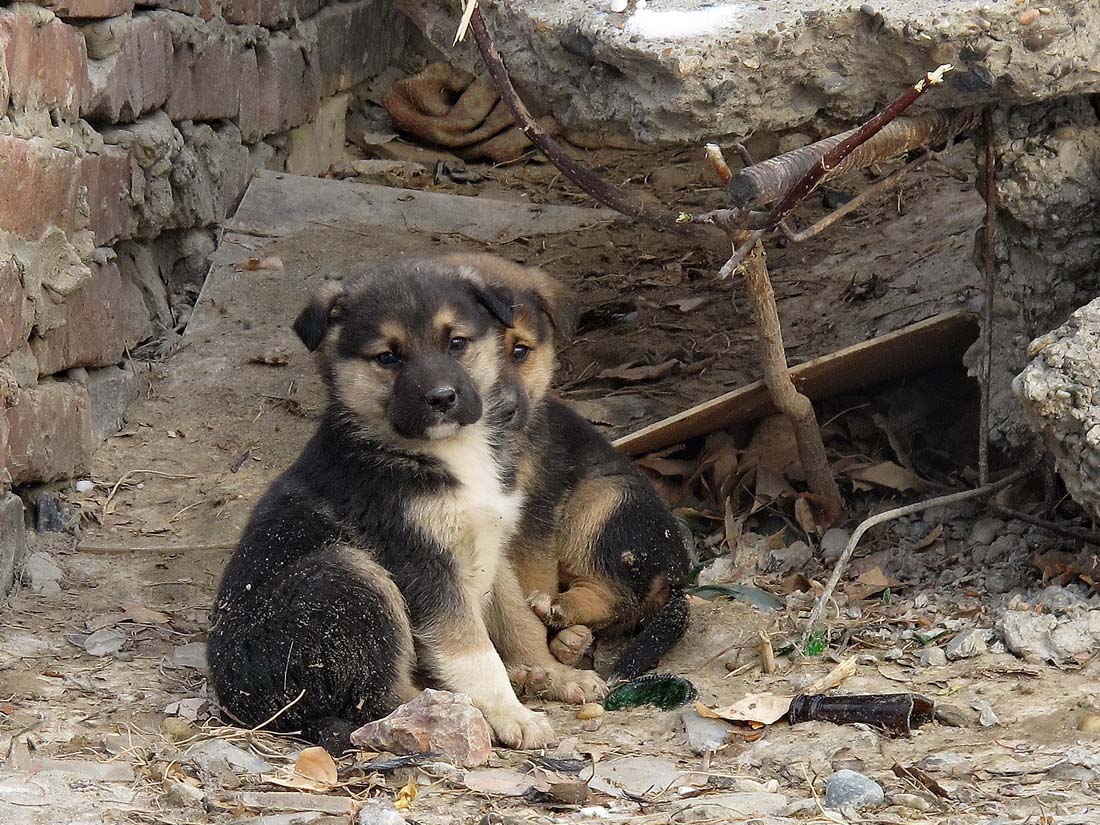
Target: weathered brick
{"x":13,"y":540}
{"x":315,"y":147}
{"x":49,"y":433}
{"x":272,"y":14}
{"x":108,"y":176}
{"x":13,"y":326}
{"x":288,"y":86}
{"x":110,"y":391}
{"x":103,"y":319}
{"x":134,"y":80}
{"x":83,"y":9}
{"x":183,"y":6}
{"x":355,"y":41}
{"x":47,"y":60}
{"x":40,"y":186}
{"x":206,"y":80}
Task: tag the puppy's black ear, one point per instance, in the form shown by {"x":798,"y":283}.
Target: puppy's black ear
{"x":324,"y":308}
{"x":500,"y":301}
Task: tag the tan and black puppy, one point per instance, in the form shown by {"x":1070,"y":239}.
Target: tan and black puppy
{"x":596,"y":550}
{"x":382,"y":552}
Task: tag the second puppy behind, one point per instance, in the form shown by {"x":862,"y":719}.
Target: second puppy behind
{"x":596,"y":548}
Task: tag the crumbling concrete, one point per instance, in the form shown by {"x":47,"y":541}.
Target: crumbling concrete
{"x":686,"y":71}
{"x":1060,"y":392}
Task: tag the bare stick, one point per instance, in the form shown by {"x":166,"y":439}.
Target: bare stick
{"x":868,"y":194}
{"x":788,"y":400}
{"x":898,"y":512}
{"x":740,"y":253}
{"x":767,"y":654}
{"x":988,"y":287}
{"x":588,"y":181}
{"x":831,"y":159}
{"x":721,"y":168}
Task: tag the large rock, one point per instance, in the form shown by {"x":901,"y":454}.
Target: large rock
{"x":1060,"y":393}
{"x":435,"y":721}
{"x":49,"y":433}
{"x":692,"y":70}
{"x":13,"y":540}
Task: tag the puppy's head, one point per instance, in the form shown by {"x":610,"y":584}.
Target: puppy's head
{"x":411,"y":350}
{"x":543,"y":319}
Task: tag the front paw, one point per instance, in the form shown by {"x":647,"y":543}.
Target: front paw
{"x":542,"y":604}
{"x":575,"y":686}
{"x":570,"y":644}
{"x":521,"y":728}
{"x":526,"y":679}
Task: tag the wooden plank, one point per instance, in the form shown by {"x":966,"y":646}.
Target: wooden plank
{"x":931,"y":343}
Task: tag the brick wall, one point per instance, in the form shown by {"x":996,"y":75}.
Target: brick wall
{"x":127,"y":133}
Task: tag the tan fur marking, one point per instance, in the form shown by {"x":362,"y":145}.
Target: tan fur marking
{"x":443,"y":321}
{"x":364,"y":388}
{"x":582,"y":518}
{"x":393,"y":332}
{"x":590,"y":602}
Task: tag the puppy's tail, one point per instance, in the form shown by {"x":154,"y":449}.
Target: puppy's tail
{"x":655,"y":639}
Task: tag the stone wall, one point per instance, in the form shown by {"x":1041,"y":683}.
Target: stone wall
{"x":127,"y":133}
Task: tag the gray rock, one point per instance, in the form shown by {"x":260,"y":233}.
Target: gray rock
{"x":53,"y":514}
{"x":1027,"y":634}
{"x":795,"y":556}
{"x":728,"y":807}
{"x":13,"y":540}
{"x":379,"y":812}
{"x":987,"y":717}
{"x":966,"y":645}
{"x":953,"y":716}
{"x":911,"y":801}
{"x":932,"y":657}
{"x":214,"y":754}
{"x":105,"y":642}
{"x":848,"y":788}
{"x":110,"y":391}
{"x":42,"y":573}
{"x":985,"y":530}
{"x":704,"y":734}
{"x":833,"y":543}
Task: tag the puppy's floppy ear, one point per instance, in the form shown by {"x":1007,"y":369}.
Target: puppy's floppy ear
{"x":561,"y":311}
{"x":499,"y":300}
{"x":324,"y":308}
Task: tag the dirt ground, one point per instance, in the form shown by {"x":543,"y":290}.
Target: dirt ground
{"x":118,"y":727}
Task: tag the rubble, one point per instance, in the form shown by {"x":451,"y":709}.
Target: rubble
{"x":851,"y":789}
{"x":435,"y":721}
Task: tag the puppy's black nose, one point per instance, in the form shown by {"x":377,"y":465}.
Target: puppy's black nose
{"x":442,"y":399}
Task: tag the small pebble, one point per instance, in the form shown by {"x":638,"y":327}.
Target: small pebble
{"x":846,"y":788}
{"x":590,"y":711}
{"x":591,"y":725}
{"x":1089,"y":723}
{"x":618,"y":6}
{"x":953,"y":716}
{"x":1028,"y":17}
{"x":84,"y":486}
{"x":987,"y":717}
{"x":911,"y":801}
{"x":932,"y":657}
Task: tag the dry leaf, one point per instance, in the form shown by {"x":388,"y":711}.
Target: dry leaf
{"x":645,"y":372}
{"x":886,"y":474}
{"x":734,"y":527}
{"x":669,"y":467}
{"x":689,"y":304}
{"x":795,"y":583}
{"x":719,"y":460}
{"x":140,"y":614}
{"x":314,"y":770}
{"x":932,"y":537}
{"x":755,"y":708}
{"x":770,"y":486}
{"x":867,"y":585}
{"x":498,"y":782}
{"x":405,"y":796}
{"x":271,"y":263}
{"x":834,"y":678}
{"x":773,"y":445}
{"x":804,"y":515}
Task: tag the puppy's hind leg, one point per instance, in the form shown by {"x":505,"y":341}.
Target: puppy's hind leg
{"x":325,"y":649}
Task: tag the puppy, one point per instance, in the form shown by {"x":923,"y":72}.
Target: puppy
{"x":596,"y":549}
{"x":381,"y":553}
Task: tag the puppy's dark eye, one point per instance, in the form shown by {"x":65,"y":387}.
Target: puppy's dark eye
{"x":387,"y":359}
{"x":520,"y":353}
{"x":458,"y":343}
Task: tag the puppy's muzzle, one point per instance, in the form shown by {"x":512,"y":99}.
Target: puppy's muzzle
{"x":442,"y":399}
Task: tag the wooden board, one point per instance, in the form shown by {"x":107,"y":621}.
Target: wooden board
{"x":934,"y":342}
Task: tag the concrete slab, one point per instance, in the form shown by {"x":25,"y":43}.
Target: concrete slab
{"x":696,"y":70}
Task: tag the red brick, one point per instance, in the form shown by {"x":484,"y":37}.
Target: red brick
{"x":288,"y":87}
{"x":85,"y":9}
{"x":47,"y":61}
{"x":107,"y":176}
{"x":102,"y":320}
{"x":272,"y":14}
{"x":206,"y":82}
{"x":49,"y":433}
{"x":40,"y":186}
{"x":13,"y":327}
{"x":134,"y":80}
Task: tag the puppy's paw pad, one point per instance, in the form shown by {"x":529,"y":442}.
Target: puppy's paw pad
{"x":523,"y":729}
{"x":576,"y":686}
{"x":527,"y":679}
{"x":569,"y":645}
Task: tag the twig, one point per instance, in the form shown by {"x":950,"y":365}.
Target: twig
{"x":1087,"y":536}
{"x":126,"y":475}
{"x":279,"y":712}
{"x":588,"y":181}
{"x":898,"y":512}
{"x":767,"y":654}
{"x":788,"y":400}
{"x":739,"y":254}
{"x":868,"y":194}
{"x":721,"y":168}
{"x":831,"y":159}
{"x":988,"y":287}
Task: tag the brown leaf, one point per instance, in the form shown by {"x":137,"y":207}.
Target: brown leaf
{"x":774,"y":446}
{"x":733,"y":526}
{"x":804,"y":515}
{"x":140,"y":614}
{"x":271,"y":263}
{"x":690,"y":304}
{"x":886,"y":474}
{"x":870,"y":583}
{"x":932,"y":537}
{"x":755,"y":708}
{"x":646,"y":372}
{"x":912,"y":772}
{"x":796,"y":583}
{"x":668,"y":467}
{"x":770,"y":486}
{"x":497,"y":782}
{"x":314,"y":770}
